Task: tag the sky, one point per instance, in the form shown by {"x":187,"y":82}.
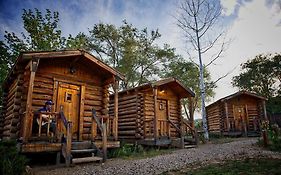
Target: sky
{"x":253,"y":26}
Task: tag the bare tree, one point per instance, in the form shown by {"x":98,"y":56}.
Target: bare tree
{"x":198,"y":19}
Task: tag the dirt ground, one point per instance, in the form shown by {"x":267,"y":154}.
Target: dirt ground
{"x":203,"y":154}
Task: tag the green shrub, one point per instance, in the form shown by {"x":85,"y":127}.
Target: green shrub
{"x":10,"y":161}
{"x":274,"y":135}
{"x":126,"y":150}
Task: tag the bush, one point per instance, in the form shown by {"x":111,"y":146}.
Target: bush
{"x":126,"y":150}
{"x":10,"y":161}
{"x":274,"y":135}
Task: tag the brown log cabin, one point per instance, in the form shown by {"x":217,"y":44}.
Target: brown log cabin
{"x":78,"y":84}
{"x":237,"y":114}
{"x":150,"y":114}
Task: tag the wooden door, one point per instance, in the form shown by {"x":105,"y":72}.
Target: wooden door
{"x":69,"y":98}
{"x":240,"y":118}
{"x":162,"y":115}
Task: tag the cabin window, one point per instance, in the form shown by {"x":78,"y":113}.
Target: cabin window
{"x":68,"y":97}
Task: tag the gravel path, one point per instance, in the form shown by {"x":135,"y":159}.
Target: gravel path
{"x":176,"y":160}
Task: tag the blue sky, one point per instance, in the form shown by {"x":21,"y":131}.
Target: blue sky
{"x":253,"y":25}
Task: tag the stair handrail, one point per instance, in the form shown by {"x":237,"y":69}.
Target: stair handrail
{"x":102,"y":128}
{"x":193,"y":130}
{"x":174,"y":125}
{"x":66,"y":143}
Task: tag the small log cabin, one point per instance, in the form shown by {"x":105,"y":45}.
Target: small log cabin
{"x":237,"y":114}
{"x":78,"y":84}
{"x":150,"y":114}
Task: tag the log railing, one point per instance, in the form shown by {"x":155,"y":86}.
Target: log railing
{"x":103,"y":129}
{"x":189,"y":128}
{"x":163,"y":129}
{"x":46,"y":118}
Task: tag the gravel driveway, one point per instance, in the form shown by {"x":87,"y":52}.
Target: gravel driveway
{"x":176,"y":160}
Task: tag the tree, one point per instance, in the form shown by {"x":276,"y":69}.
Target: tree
{"x":188,"y":73}
{"x":41,"y":33}
{"x":5,"y":65}
{"x":260,"y":75}
{"x":197,"y":19}
{"x":131,"y":51}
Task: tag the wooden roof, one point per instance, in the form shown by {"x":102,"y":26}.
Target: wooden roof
{"x":171,"y":83}
{"x":24,"y":57}
{"x":239,"y":93}
{"x":70,"y":53}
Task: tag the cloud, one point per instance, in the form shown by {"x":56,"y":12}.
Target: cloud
{"x":228,"y":7}
{"x":256,"y":30}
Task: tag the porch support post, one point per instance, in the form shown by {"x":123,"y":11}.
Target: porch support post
{"x":28,"y":117}
{"x":155,"y":113}
{"x":226,"y":117}
{"x":115,"y":125}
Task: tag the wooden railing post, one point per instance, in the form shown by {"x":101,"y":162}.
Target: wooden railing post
{"x":68,"y":143}
{"x":155,"y":113}
{"x":104,"y":142}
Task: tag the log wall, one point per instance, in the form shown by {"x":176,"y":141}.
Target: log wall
{"x":214,"y":118}
{"x":216,"y":113}
{"x":130,"y":120}
{"x":11,"y":109}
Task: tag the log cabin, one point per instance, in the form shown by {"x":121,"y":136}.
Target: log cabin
{"x":78,"y":84}
{"x":150,"y":114}
{"x":237,"y":114}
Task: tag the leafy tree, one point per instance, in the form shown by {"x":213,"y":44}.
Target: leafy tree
{"x":5,"y":64}
{"x":197,"y":19}
{"x":41,"y":33}
{"x":261,"y":75}
{"x":131,"y":51}
{"x":188,"y":73}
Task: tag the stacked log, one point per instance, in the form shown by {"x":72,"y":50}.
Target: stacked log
{"x":11,"y":122}
{"x":2,"y":114}
{"x":148,"y":113}
{"x":175,"y":116}
{"x":43,"y":90}
{"x":129,"y":116}
{"x":214,"y":115}
{"x":93,"y":100}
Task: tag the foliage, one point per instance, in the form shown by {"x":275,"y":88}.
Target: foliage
{"x":261,"y":75}
{"x":131,"y":51}
{"x":41,"y":33}
{"x":5,"y":64}
{"x":273,"y":105}
{"x":131,"y":151}
{"x":188,"y":73}
{"x":10,"y":160}
{"x":274,"y":134}
{"x":247,"y":166}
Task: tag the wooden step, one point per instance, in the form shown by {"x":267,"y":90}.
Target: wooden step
{"x":77,"y":151}
{"x":190,"y":146}
{"x":86,"y":160}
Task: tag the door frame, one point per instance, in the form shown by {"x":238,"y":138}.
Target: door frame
{"x":82,"y":100}
{"x":167,"y":129}
{"x":245,"y":118}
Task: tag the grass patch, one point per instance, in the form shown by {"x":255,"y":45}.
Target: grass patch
{"x":263,"y":166}
{"x":131,"y":151}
